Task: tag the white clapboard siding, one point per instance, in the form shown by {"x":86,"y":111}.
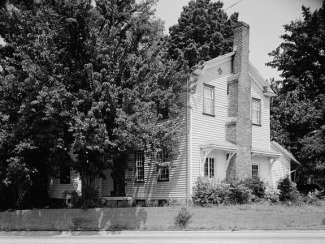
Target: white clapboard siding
{"x":56,"y":190}
{"x":261,"y":134}
{"x":280,"y":169}
{"x":264,"y":169}
{"x":206,"y":129}
{"x":151,"y":188}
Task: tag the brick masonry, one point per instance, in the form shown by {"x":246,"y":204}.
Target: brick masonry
{"x":241,"y":167}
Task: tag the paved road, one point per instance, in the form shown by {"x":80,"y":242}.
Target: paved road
{"x":188,"y":237}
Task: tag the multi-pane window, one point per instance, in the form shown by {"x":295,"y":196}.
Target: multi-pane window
{"x":256,"y":111}
{"x":254,"y":171}
{"x":139,"y":166}
{"x":163,"y":173}
{"x":65,"y":175}
{"x":209,"y":167}
{"x":208,"y":99}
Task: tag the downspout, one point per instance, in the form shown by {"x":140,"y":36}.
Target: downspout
{"x":186,"y":141}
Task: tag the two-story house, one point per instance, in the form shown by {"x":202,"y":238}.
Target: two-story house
{"x":226,"y":135}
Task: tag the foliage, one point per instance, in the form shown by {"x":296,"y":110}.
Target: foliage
{"x":79,"y":87}
{"x":75,"y":198}
{"x":239,"y":194}
{"x":298,"y":112}
{"x":203,"y":32}
{"x":272,"y":195}
{"x":256,"y":185}
{"x":312,"y":198}
{"x":208,"y":192}
{"x":183,"y":218}
{"x":288,"y":190}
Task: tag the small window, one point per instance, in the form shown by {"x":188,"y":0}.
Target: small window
{"x":209,"y":167}
{"x":65,"y":175}
{"x":208,"y":100}
{"x":256,"y":111}
{"x":163,"y":172}
{"x":139,"y":166}
{"x":254,"y":171}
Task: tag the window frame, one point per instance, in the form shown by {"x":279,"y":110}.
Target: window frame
{"x":139,"y":160}
{"x":209,"y":167}
{"x":257,"y":171}
{"x":163,"y":171}
{"x":259,"y":118}
{"x":212,"y":88}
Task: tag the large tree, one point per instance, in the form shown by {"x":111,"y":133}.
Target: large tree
{"x":81,"y":84}
{"x":297,"y":113}
{"x":204,"y":31}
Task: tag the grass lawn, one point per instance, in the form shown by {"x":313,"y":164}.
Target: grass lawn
{"x":259,"y":217}
{"x":262,"y":216}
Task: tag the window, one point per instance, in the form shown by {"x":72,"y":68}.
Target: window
{"x":209,"y":167}
{"x":139,"y":166}
{"x":256,"y":111}
{"x":163,"y":174}
{"x":254,"y":171}
{"x":65,"y":175}
{"x":163,"y":171}
{"x":208,"y":100}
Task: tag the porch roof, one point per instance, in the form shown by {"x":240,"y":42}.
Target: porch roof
{"x":230,"y":147}
{"x":277,"y":147}
{"x":270,"y":154}
{"x":223,"y":146}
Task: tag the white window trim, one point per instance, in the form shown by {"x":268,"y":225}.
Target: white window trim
{"x":257,"y":123}
{"x":213,"y":100}
{"x":258,"y":169}
{"x":207,"y":160}
{"x":137,"y":156}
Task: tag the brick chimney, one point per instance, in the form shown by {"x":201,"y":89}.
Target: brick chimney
{"x":241,"y":166}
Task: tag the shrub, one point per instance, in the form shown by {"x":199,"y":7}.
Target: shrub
{"x":90,"y":197}
{"x":288,"y":191}
{"x":207,"y":192}
{"x":256,"y":186}
{"x":239,"y":194}
{"x":183,"y":218}
{"x":75,"y":199}
{"x":272,"y":195}
{"x":312,"y":198}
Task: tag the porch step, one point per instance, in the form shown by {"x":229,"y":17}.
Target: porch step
{"x":117,"y":202}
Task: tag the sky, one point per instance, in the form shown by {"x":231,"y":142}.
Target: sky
{"x":265,"y":18}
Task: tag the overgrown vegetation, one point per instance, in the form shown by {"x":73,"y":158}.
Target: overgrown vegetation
{"x":183,"y":218}
{"x":208,"y":192}
{"x":79,"y":88}
{"x":298,"y":110}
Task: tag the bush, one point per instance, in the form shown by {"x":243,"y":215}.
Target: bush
{"x":207,"y":192}
{"x":312,"y":198}
{"x":74,"y":199}
{"x":272,"y":195}
{"x":256,"y":186}
{"x":288,"y":191}
{"x":90,"y":197}
{"x":239,"y":194}
{"x":183,"y":218}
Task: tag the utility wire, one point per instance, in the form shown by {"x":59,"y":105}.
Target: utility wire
{"x":234,"y":4}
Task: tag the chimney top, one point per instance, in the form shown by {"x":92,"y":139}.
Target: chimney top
{"x":241,"y":24}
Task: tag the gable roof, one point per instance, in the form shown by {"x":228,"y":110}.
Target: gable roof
{"x":276,"y":146}
{"x":262,"y":84}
